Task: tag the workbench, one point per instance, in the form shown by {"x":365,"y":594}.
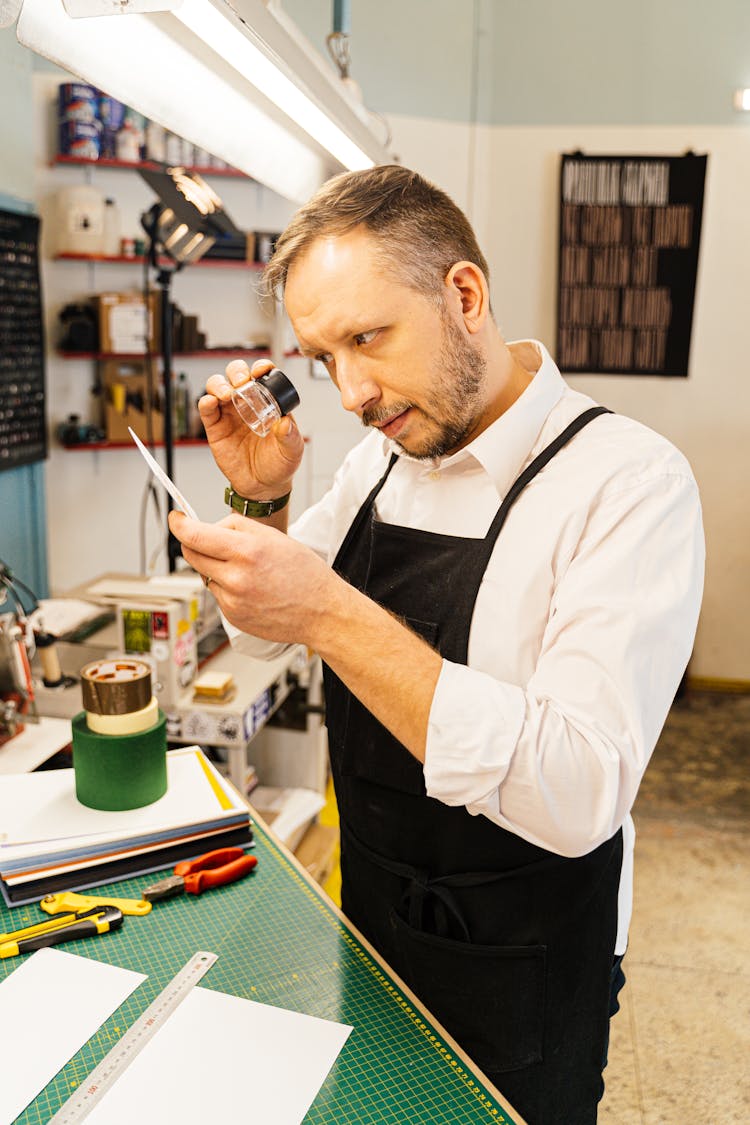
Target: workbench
{"x":281,"y":941}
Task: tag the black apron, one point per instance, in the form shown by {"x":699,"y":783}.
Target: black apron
{"x":508,"y":945}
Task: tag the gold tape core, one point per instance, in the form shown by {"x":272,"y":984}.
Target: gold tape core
{"x":116,"y":687}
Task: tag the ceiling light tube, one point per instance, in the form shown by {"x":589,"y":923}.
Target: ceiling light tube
{"x":177,"y":89}
{"x":234,"y":46}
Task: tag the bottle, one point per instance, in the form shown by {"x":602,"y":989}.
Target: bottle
{"x":182,"y":407}
{"x":172,"y":148}
{"x":156,"y":142}
{"x":111,"y":240}
{"x":128,"y":144}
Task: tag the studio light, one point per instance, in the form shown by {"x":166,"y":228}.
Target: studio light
{"x":188,"y":218}
{"x":237,"y":49}
{"x":182,"y":226}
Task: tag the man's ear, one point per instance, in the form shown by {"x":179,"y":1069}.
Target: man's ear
{"x":468,"y":290}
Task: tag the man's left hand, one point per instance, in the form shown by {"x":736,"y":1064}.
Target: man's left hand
{"x":266,"y":584}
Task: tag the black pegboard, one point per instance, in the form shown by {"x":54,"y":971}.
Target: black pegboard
{"x":23,"y":437}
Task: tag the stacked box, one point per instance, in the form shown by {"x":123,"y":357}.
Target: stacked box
{"x":127,"y":323}
{"x":129,"y":401}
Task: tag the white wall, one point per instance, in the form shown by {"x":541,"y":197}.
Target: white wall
{"x":511,"y":192}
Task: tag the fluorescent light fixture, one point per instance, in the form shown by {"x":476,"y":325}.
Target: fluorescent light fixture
{"x":234,"y":46}
{"x":742,"y":99}
{"x":193,"y":76}
{"x":79,"y":8}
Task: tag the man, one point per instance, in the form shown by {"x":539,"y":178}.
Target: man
{"x":503,"y":584}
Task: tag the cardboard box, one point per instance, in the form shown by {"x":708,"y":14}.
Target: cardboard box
{"x":127,"y":322}
{"x":317,"y":851}
{"x":126,"y":401}
{"x":289,"y":811}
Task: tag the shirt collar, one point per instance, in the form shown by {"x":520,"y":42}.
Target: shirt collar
{"x":504,"y":447}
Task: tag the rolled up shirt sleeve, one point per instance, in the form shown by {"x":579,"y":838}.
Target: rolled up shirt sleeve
{"x":248,"y":645}
{"x":558,"y":760}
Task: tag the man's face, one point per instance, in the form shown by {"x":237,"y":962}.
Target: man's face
{"x":402,"y":363}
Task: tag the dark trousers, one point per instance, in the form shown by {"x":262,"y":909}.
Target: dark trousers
{"x":616,"y":982}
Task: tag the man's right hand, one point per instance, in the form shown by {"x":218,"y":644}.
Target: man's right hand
{"x":258,"y":468}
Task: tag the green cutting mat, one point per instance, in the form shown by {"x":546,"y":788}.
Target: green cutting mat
{"x":279,"y":942}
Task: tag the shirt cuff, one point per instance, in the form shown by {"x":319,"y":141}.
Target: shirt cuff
{"x":474,"y":725}
{"x":248,"y":645}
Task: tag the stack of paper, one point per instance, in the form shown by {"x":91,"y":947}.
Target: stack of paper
{"x":50,"y":842}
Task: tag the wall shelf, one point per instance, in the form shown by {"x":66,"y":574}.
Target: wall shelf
{"x":120,"y":259}
{"x":194,"y":360}
{"x":147,"y":165}
{"x":131,"y":445}
{"x":209,"y":353}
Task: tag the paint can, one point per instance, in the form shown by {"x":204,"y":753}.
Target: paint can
{"x":77,"y":101}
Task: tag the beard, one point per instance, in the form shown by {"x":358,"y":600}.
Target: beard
{"x":452,"y":406}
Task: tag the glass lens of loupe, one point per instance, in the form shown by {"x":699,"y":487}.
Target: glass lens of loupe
{"x":256,"y":406}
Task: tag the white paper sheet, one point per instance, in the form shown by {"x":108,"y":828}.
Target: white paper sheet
{"x":222,"y":1058}
{"x":38,"y":807}
{"x":162,"y":477}
{"x":49,"y":1006}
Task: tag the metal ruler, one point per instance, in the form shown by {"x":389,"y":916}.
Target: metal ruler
{"x":115,"y":1062}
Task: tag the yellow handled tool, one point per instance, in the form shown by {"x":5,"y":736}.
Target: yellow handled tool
{"x":69,"y":900}
{"x":66,"y":927}
{"x":38,"y":928}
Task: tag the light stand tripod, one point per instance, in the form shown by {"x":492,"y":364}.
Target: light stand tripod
{"x":182,"y":226}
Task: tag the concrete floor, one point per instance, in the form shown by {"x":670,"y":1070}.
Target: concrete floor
{"x":680,"y":1044}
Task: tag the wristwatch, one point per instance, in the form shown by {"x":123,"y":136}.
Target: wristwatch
{"x":257,"y":509}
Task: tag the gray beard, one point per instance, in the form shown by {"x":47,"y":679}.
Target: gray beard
{"x":455,"y":404}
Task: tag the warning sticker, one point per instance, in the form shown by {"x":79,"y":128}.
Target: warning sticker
{"x":160,"y":625}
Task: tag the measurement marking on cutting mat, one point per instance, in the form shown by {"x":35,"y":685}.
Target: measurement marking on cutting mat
{"x":92,"y":1089}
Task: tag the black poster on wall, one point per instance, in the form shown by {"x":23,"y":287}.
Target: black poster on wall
{"x":22,"y":422}
{"x":629,"y":236}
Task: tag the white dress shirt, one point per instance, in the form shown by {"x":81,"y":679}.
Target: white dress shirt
{"x":583,"y":624}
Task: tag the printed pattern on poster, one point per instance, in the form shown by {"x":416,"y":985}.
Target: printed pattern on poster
{"x":629,"y":237}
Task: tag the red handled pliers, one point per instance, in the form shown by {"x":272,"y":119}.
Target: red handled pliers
{"x":194,"y":876}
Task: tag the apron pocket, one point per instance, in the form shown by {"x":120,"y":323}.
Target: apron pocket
{"x":489,"y":997}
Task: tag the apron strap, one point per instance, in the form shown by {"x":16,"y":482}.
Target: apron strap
{"x":537,"y":465}
{"x":362,"y":515}
{"x":511,"y":496}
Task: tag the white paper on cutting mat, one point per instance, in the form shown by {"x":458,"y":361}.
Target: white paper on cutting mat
{"x":222,"y":1058}
{"x":49,"y":1007}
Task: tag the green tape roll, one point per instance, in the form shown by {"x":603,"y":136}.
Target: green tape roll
{"x":124,"y":771}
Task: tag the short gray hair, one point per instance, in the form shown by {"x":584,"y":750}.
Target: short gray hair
{"x":419,"y":230}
